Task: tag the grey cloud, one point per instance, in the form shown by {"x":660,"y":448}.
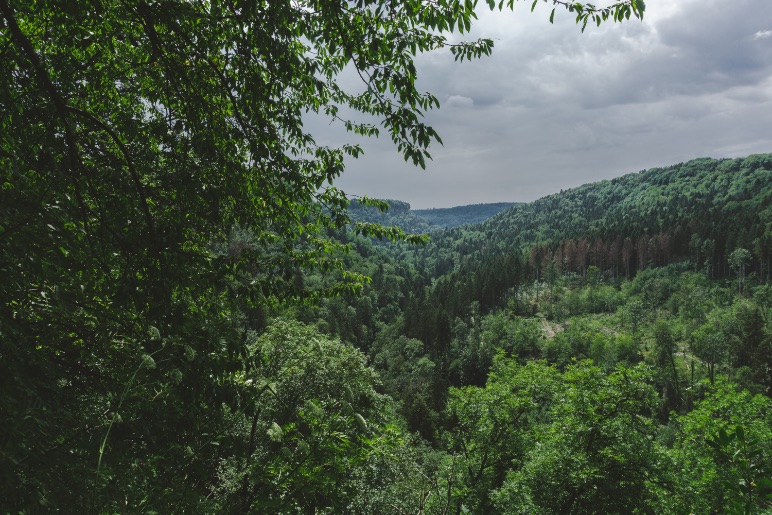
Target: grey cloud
{"x":459,"y":101}
{"x":715,"y":44}
{"x":554,"y":108}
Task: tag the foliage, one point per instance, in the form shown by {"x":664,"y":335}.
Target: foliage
{"x":739,"y":260}
{"x":313,"y":423}
{"x":161,"y":200}
{"x":701,"y":210}
{"x":458,"y":306}
{"x":493,"y":427}
{"x":719,"y":471}
{"x":462,"y":215}
{"x":596,"y":455}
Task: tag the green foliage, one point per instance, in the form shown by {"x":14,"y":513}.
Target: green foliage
{"x":408,"y":374}
{"x":597,"y":454}
{"x":311,"y":420}
{"x":744,"y":462}
{"x":494,"y":426}
{"x":713,"y":340}
{"x":161,"y":201}
{"x":739,"y":260}
{"x":159,"y":195}
{"x":700,"y":210}
{"x":494,"y":451}
{"x":692,"y":298}
{"x":534,"y":440}
{"x":723,"y":452}
{"x":493,"y":458}
{"x":753,"y":345}
{"x":462,"y":215}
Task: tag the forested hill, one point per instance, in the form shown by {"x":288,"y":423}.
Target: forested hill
{"x":702,"y":209}
{"x":425,"y":220}
{"x":399,"y":214}
{"x":569,"y":355}
{"x":703,"y":195}
{"x":191,"y":322}
{"x":461,"y":215}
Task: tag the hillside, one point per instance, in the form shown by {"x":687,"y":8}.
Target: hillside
{"x":425,"y":220}
{"x":700,"y":210}
{"x":594,"y":351}
{"x":727,"y":200}
{"x":195,"y":318}
{"x":601,"y":350}
{"x":462,"y":215}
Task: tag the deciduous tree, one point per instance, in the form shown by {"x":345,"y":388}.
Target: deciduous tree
{"x":139,"y":142}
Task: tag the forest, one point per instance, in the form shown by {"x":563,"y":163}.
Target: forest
{"x":195,"y":319}
{"x":644,"y":326}
{"x":462,"y":215}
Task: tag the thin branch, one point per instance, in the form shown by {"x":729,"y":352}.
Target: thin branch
{"x":129,"y":164}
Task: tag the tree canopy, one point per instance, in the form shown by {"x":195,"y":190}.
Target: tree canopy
{"x":158,"y":190}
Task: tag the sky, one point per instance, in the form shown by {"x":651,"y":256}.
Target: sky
{"x":554,"y":108}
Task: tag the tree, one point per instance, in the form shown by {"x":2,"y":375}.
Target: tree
{"x":157,"y":191}
{"x":752,"y":346}
{"x":714,"y":338}
{"x":663,"y":352}
{"x":722,"y":452}
{"x":738,"y":260}
{"x":596,"y":452}
{"x":493,"y":427}
{"x":315,"y":422}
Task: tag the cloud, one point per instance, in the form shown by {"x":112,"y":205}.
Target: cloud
{"x":458,"y":101}
{"x":553,"y":108}
{"x":763,"y":34}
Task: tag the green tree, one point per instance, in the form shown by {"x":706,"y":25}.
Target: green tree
{"x":596,"y":454}
{"x":715,"y":338}
{"x":633,"y":313}
{"x":663,"y":355}
{"x":753,"y":345}
{"x":738,"y":260}
{"x":136,"y":138}
{"x":315,"y":422}
{"x":719,"y":472}
{"x":493,"y":428}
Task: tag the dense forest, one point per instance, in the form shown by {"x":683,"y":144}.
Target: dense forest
{"x":462,"y":215}
{"x":424,"y":220}
{"x":521,"y":365}
{"x":194,"y":319}
{"x":641,"y":304}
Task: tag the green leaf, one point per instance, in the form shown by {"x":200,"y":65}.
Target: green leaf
{"x":740,"y":433}
{"x":361,"y":421}
{"x":275,"y":432}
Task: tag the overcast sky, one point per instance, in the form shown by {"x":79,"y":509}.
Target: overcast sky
{"x":553,"y":108}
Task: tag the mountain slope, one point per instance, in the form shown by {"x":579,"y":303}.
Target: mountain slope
{"x":425,"y":220}
{"x":698,"y":212}
{"x":702,"y":209}
{"x":461,"y":215}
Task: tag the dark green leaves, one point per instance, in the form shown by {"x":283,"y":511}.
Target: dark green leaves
{"x":160,"y":192}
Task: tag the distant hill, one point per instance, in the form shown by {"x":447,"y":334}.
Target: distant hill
{"x":724,"y":200}
{"x":700,"y":211}
{"x":694,"y":214}
{"x":399,"y":214}
{"x":425,"y":220}
{"x":461,"y":215}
